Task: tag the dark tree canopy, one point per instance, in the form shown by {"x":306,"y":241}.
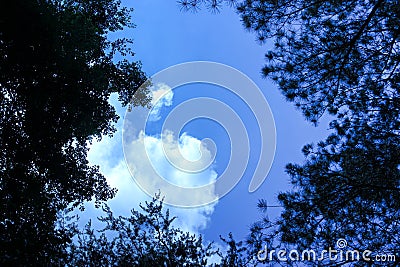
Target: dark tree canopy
{"x":339,"y":58}
{"x":57,"y":71}
{"x":335,"y":56}
{"x":150,"y":238}
{"x":146,"y":238}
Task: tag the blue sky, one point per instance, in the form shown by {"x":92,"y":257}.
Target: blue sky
{"x":165,"y":36}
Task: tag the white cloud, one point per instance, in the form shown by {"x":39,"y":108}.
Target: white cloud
{"x":193,"y":220}
{"x":161,"y":97}
{"x":187,"y":159}
{"x":147,"y":159}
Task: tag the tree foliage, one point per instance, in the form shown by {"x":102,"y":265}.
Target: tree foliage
{"x":348,"y":191}
{"x":146,"y":238}
{"x":150,"y":238}
{"x":57,"y":71}
{"x":336,"y":56}
{"x":339,"y":58}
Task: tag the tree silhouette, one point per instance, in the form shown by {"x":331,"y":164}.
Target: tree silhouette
{"x":58,"y":70}
{"x":146,"y":238}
